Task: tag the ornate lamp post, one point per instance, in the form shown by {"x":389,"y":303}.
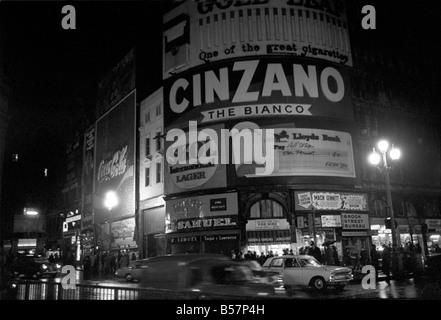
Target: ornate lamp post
{"x":380,"y":161}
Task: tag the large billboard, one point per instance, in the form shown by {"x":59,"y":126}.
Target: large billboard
{"x":115,"y":160}
{"x":180,"y":177}
{"x":260,"y":88}
{"x":206,"y":31}
{"x":118,"y":83}
{"x":307,"y":152}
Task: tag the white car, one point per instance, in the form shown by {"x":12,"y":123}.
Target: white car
{"x":305,"y":271}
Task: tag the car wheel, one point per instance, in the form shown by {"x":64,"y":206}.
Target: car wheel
{"x":129,"y":277}
{"x":289,"y":291}
{"x":318,"y":283}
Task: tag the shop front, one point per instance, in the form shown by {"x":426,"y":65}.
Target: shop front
{"x":268,"y":235}
{"x":203,"y":224}
{"x":335,"y":218}
{"x":433,"y":235}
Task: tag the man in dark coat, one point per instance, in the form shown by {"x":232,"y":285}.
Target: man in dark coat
{"x":386,"y":261}
{"x":315,"y":252}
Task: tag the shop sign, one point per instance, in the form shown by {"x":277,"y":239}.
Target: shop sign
{"x":201,"y":224}
{"x":268,"y":224}
{"x":340,"y":201}
{"x":355,"y":221}
{"x":280,"y":236}
{"x":195,"y":212}
{"x":433,"y":223}
{"x":220,"y":237}
{"x":331,"y":221}
{"x":184,"y":239}
{"x":354,"y":233}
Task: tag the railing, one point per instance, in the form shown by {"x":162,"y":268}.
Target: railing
{"x":36,"y":290}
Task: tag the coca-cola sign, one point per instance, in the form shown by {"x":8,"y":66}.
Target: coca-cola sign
{"x":115,"y":161}
{"x":114,"y":167}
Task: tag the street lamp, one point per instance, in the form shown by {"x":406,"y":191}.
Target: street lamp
{"x":110,"y":200}
{"x":380,"y":161}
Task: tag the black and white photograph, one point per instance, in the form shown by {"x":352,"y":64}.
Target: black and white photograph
{"x":230,"y":157}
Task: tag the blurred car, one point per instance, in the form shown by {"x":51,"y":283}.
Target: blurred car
{"x":35,"y":267}
{"x":262,"y":275}
{"x":133,"y":271}
{"x":433,"y":266}
{"x":203,"y":273}
{"x":306,"y":271}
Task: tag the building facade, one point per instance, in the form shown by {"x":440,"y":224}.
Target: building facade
{"x":151,"y":176}
{"x":277,"y":66}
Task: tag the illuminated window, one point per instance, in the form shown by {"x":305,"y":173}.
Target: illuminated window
{"x":266,"y":209}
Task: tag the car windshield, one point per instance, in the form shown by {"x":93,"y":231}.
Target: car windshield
{"x":309,"y":262}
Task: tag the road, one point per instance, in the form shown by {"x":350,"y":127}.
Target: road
{"x":407,"y":289}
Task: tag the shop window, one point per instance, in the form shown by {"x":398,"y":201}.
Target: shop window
{"x":266,"y":209}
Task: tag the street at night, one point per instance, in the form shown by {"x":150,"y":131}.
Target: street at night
{"x":258,"y":151}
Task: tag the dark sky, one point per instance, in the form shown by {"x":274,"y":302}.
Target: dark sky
{"x":53,"y":73}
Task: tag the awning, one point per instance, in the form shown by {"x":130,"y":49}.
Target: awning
{"x":268,"y":236}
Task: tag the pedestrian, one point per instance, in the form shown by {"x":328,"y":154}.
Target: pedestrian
{"x":374,"y":258}
{"x":329,"y":256}
{"x":233,"y":254}
{"x":315,"y":252}
{"x":386,"y":262}
{"x":262,"y":258}
{"x":335,"y":253}
{"x":124,"y":262}
{"x":107,"y":263}
{"x":133,"y":257}
{"x":363,"y":257}
{"x":87,"y":268}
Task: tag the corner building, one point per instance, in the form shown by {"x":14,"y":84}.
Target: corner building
{"x":270,"y":64}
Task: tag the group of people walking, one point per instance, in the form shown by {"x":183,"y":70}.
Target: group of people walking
{"x":105,"y":263}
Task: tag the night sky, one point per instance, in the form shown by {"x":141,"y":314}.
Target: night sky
{"x":53,"y":73}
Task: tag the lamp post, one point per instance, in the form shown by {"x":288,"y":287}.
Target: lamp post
{"x":381,"y":163}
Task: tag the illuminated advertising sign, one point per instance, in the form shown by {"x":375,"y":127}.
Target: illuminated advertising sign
{"x":342,"y":201}
{"x":308,"y":152}
{"x":260,"y":88}
{"x":72,"y":223}
{"x":122,"y":233}
{"x":210,"y":212}
{"x":115,"y":159}
{"x":207,"y":31}
{"x":197,"y":176}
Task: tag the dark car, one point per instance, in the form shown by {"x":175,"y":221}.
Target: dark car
{"x":433,"y":267}
{"x":33,"y":267}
